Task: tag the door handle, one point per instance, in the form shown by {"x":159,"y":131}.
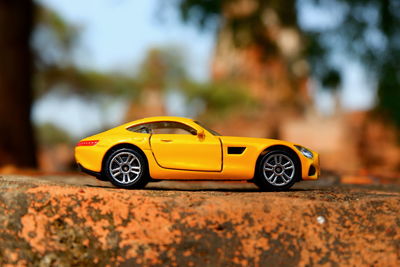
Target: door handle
{"x":166,"y":140}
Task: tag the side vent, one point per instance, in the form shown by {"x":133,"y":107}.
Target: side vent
{"x":236,"y":150}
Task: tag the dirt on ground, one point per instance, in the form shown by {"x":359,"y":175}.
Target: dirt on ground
{"x":77,"y":220}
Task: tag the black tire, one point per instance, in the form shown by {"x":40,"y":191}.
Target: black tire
{"x":102,"y":178}
{"x":126,"y":168}
{"x":278,"y":170}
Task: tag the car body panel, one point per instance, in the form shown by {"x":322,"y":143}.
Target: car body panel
{"x":187,"y":152}
{"x":190,"y":157}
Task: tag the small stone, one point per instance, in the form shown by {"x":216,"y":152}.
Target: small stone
{"x":320,"y":219}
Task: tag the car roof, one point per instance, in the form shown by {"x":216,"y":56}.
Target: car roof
{"x":158,"y":118}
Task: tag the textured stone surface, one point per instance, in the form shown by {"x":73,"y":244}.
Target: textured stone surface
{"x":49,"y":222}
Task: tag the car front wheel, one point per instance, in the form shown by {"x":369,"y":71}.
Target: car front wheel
{"x":277,"y":171}
{"x":126,"y":168}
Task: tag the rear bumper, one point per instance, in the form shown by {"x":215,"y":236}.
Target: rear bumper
{"x":87,"y":171}
{"x":90,"y":157}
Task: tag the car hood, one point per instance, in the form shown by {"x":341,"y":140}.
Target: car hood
{"x":253,"y":140}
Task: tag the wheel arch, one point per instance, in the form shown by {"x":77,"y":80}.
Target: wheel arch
{"x":120,"y":146}
{"x":275,"y":148}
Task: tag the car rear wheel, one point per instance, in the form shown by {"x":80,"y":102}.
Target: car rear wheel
{"x":126,"y":168}
{"x":278,"y":171}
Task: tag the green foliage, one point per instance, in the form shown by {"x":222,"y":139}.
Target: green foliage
{"x":367,"y":31}
{"x":363,"y":30}
{"x":219,"y":97}
{"x":389,"y":91}
{"x":61,"y":33}
{"x":331,"y":79}
{"x":50,"y":135}
{"x":200,"y":11}
{"x":54,"y":42}
{"x":162,"y":68}
{"x":248,"y":27}
{"x":85,"y":82}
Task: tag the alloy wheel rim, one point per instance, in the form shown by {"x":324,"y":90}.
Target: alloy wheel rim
{"x":125,"y":168}
{"x":278,"y":169}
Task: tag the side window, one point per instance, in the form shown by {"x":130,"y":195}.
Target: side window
{"x":168,"y":127}
{"x":163,"y":127}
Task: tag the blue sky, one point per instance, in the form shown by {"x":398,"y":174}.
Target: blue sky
{"x":116,"y":34}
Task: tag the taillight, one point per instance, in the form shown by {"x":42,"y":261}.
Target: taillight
{"x":87,"y":143}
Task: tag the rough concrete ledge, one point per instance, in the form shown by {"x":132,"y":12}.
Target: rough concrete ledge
{"x":49,"y":224}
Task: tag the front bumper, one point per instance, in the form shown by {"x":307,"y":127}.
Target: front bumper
{"x":311,"y":167}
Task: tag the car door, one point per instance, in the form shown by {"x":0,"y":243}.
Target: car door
{"x":185,"y":150}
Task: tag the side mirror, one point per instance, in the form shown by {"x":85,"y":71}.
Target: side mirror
{"x":201,"y":135}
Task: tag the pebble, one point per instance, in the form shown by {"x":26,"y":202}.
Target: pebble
{"x":320,"y":219}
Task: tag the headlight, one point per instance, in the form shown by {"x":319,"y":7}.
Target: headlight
{"x":307,"y":153}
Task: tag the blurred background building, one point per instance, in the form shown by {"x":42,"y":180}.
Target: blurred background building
{"x":321,"y":73}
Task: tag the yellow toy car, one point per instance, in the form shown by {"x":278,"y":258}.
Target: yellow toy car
{"x":174,"y":148}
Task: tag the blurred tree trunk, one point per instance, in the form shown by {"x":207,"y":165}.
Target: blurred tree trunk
{"x":17,"y":144}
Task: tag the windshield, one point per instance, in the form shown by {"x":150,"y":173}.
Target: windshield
{"x":208,"y":129}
